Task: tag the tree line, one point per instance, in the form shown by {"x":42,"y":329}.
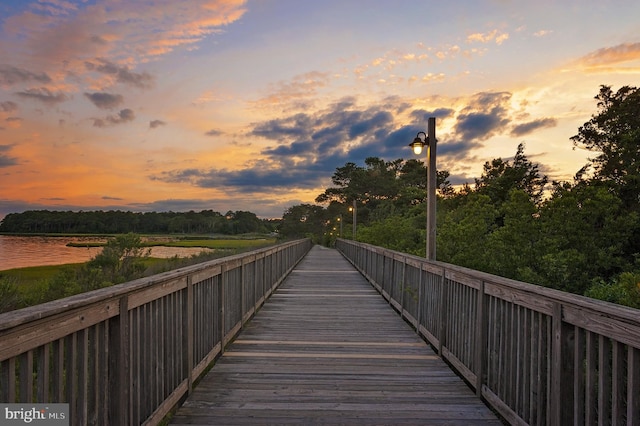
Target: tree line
{"x":122,"y":222}
{"x":580,"y":236}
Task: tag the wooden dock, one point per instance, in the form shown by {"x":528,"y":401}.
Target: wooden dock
{"x":326,"y":348}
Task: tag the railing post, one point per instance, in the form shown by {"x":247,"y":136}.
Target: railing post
{"x":190,"y":332}
{"x":242,"y":294}
{"x":560,"y":395}
{"x":481,"y":339}
{"x":119,"y":352}
{"x":402,"y":284}
{"x":633,"y":399}
{"x":222,"y":310}
{"x":443,"y":314}
{"x":419,"y":302}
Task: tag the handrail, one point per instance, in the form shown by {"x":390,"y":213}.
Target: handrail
{"x":534,"y":354}
{"x":127,"y":354}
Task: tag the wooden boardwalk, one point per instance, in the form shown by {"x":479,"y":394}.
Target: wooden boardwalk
{"x":326,"y":348}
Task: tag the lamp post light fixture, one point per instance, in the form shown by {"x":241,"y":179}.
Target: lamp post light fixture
{"x":353,"y":209}
{"x":429,"y":141}
{"x":340,"y":220}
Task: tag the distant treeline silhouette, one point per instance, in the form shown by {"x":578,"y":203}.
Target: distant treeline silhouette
{"x":119,"y":222}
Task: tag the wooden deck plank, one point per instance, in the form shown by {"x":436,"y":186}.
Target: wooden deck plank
{"x":327,"y":349}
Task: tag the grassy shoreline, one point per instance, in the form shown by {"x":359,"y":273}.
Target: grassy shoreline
{"x":193,"y":243}
{"x":32,"y":276}
{"x":28,"y":286}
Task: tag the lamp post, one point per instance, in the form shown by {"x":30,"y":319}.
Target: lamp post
{"x":340,"y":220}
{"x":353,"y":209}
{"x":430,"y":142}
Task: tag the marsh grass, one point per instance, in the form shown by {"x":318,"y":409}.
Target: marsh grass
{"x":38,"y":284}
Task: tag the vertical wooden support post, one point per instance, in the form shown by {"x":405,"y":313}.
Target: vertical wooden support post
{"x":119,"y":353}
{"x":481,"y":339}
{"x":419,"y":302}
{"x":618,"y":379}
{"x":380,"y":280}
{"x":403,"y":285}
{"x":26,"y":375}
{"x":442,"y":327}
{"x":189,"y":333}
{"x":222,"y":301}
{"x":242,"y":294}
{"x":43,"y":374}
{"x":560,"y":393}
{"x":633,"y":384}
{"x":256,"y":294}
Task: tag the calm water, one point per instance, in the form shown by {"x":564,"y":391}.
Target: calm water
{"x":20,"y":252}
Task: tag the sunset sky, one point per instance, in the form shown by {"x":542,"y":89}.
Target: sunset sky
{"x":251,"y":105}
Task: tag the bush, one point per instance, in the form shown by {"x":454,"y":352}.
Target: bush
{"x":10,"y":297}
{"x":623,"y":290}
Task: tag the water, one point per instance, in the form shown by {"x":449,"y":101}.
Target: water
{"x":21,"y":252}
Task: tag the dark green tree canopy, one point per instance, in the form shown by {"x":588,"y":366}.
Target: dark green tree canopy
{"x":303,"y":220}
{"x":614,"y":134}
{"x":499,"y":177}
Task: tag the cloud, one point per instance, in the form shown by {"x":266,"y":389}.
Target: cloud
{"x":305,"y":148}
{"x":254,"y":179}
{"x":298,"y":126}
{"x":55,"y":7}
{"x":300,"y":87}
{"x":603,"y":58}
{"x":542,"y":33}
{"x":422,"y":116}
{"x":10,"y":75}
{"x":153,"y":124}
{"x":309,"y":147}
{"x":213,"y":132}
{"x":121,"y":74}
{"x":491,"y":36}
{"x":8,"y":106}
{"x":125,"y":115}
{"x":5,"y":160}
{"x":525,"y":128}
{"x":62,"y":34}
{"x":105,"y":100}
{"x":14,"y":122}
{"x":486,"y":115}
{"x":43,"y":95}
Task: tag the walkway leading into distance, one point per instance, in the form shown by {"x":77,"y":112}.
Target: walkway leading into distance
{"x":326,"y":348}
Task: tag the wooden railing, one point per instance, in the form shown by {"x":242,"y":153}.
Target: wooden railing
{"x":127,"y":354}
{"x":536,"y":355}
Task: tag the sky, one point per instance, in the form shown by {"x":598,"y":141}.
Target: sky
{"x":163,"y":105}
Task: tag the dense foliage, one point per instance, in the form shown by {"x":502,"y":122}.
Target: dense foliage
{"x":581,"y":236}
{"x":119,"y":222}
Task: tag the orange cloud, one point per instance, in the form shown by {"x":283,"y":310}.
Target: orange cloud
{"x":56,"y":38}
{"x":491,"y":36}
{"x":302,"y":87}
{"x":612,"y":55}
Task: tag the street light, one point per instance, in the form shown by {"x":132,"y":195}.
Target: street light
{"x":353,"y":209}
{"x":430,"y":142}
